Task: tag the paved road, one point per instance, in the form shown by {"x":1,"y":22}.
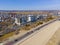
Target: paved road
{"x":43,"y":35}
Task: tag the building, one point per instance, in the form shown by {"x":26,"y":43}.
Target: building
{"x":23,"y":20}
{"x":17,"y":21}
{"x":31,"y":18}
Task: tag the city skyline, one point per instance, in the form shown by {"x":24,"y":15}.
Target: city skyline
{"x":29,"y":4}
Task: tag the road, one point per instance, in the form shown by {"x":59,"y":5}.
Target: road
{"x":42,"y":36}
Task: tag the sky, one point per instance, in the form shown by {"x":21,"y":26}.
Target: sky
{"x":29,"y":4}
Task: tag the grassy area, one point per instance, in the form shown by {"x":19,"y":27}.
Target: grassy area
{"x":33,"y":25}
{"x":6,"y":36}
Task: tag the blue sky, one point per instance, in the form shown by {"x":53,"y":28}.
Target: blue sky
{"x":29,"y":4}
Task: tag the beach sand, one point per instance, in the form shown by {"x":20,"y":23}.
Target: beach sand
{"x":55,"y":40}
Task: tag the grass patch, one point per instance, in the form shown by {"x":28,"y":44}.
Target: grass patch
{"x":6,"y":36}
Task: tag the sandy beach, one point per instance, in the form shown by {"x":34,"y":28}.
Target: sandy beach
{"x":55,"y":40}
